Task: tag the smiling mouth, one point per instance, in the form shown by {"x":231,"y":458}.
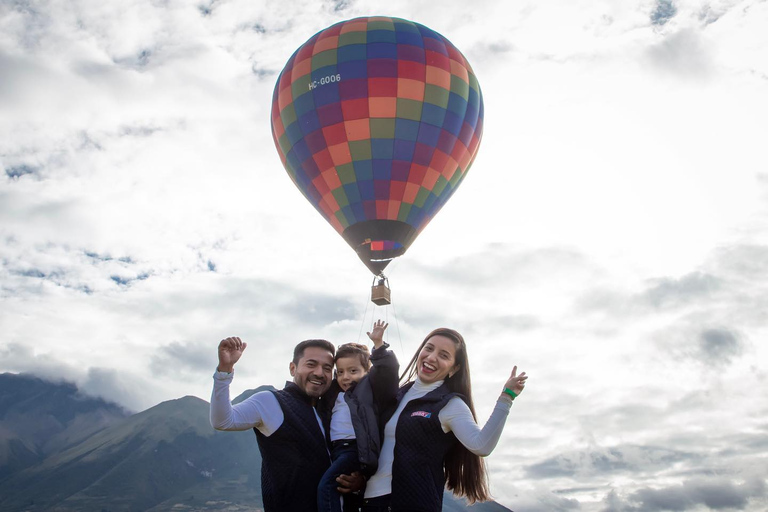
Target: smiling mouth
{"x":428,"y":368}
{"x":316,"y":382}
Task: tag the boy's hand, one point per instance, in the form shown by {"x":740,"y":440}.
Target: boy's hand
{"x":377,"y":334}
{"x":230,"y":350}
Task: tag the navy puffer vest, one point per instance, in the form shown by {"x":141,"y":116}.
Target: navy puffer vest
{"x":418,"y":477}
{"x":294,"y":457}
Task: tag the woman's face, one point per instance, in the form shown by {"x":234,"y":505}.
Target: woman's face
{"x":437,"y":359}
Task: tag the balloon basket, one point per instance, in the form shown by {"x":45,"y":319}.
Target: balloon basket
{"x":381,"y":295}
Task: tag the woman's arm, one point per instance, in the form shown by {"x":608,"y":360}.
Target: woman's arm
{"x":457,"y":418}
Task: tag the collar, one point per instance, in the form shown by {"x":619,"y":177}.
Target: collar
{"x":418,"y":385}
{"x":298,"y":393}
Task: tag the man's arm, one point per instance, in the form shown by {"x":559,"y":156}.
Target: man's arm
{"x":260,"y":411}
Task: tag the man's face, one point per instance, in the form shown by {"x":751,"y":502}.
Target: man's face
{"x":313,"y":372}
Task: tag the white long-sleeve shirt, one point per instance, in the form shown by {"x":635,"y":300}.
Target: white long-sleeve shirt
{"x":454,"y":417}
{"x":260,"y":410}
{"x":341,"y":420}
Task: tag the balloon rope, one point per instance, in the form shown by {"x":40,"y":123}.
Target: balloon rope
{"x":399,"y":337}
{"x":362,"y":323}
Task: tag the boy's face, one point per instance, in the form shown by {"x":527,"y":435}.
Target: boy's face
{"x":349,"y":370}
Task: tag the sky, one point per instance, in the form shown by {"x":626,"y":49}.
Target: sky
{"x":610,"y":238}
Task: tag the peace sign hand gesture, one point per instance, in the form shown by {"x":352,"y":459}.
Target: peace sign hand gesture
{"x":516,"y":382}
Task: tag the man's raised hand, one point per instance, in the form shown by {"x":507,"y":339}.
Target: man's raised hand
{"x":230,"y":350}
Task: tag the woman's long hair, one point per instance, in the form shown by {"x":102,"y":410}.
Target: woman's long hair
{"x":465,"y":473}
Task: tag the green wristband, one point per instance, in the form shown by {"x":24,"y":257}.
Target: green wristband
{"x":510,"y":393}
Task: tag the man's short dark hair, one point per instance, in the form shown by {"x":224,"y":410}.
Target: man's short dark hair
{"x":355,"y":350}
{"x":298,"y":352}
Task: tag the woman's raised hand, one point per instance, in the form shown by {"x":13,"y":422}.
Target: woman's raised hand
{"x":516,"y":382}
{"x":377,"y":334}
{"x":230,"y":350}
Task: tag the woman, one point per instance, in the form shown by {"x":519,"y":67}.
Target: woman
{"x":431,"y":436}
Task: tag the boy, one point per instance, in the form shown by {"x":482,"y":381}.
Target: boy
{"x":356,"y":396}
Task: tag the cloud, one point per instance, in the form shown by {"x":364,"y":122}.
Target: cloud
{"x":682,"y":53}
{"x":744,"y":263}
{"x":84,"y":270}
{"x":696,"y":286}
{"x":17,"y":171}
{"x":119,"y":386}
{"x":23,"y":358}
{"x":500,"y":264}
{"x":542,"y":500}
{"x":715,"y":493}
{"x":122,"y":387}
{"x":607,"y":461}
{"x":720,"y":346}
{"x":339,"y":5}
{"x":700,"y":339}
{"x":177,"y":358}
{"x":125,"y":281}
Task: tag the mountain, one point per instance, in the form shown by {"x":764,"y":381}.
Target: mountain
{"x":168,"y":453}
{"x":165,"y":458}
{"x":39,"y":418}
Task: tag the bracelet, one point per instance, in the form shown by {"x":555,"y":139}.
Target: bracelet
{"x":510,"y":393}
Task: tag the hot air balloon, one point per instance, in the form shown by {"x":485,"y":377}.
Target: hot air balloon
{"x":377,"y":121}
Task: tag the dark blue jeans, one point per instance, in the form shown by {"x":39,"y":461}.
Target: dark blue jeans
{"x":345,"y":461}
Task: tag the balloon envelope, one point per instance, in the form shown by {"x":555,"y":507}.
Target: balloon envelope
{"x":377,"y":121}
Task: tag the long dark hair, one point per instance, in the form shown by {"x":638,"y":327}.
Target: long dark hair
{"x":465,"y":473}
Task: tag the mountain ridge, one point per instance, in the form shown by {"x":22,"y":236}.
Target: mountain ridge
{"x":164,"y":458}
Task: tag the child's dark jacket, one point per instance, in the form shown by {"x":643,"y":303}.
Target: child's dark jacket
{"x":374,"y":393}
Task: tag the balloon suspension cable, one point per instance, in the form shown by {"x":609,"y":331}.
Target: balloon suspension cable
{"x":380,"y":277}
{"x":365,"y":314}
{"x":399,"y":336}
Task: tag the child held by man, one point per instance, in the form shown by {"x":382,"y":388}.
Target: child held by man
{"x":365,"y":383}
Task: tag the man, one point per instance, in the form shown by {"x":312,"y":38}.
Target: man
{"x":288,"y":428}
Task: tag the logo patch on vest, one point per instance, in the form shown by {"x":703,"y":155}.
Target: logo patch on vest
{"x":423,"y":414}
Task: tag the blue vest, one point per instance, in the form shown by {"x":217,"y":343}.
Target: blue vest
{"x":294,"y":457}
{"x":418,"y":477}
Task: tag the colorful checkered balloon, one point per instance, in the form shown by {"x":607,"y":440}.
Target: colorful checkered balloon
{"x":377,"y":121}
